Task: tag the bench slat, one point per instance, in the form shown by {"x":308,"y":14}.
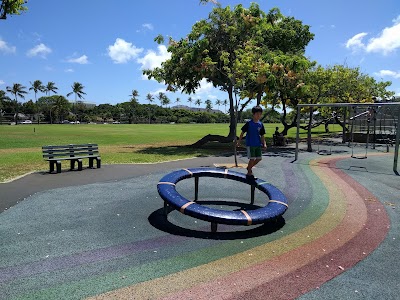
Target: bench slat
{"x":70,"y":158}
{"x":69,"y":149}
{"x":69,"y":146}
{"x":77,"y":153}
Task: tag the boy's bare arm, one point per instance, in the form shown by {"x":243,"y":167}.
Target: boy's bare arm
{"x":240,"y":139}
{"x":263,"y":142}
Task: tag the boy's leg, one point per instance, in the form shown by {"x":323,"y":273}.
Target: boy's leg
{"x":250,"y":166}
{"x":250,"y":156}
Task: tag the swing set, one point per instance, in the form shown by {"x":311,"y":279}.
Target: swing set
{"x":369,"y":125}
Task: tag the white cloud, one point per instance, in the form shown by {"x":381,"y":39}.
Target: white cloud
{"x":333,"y":26}
{"x":69,"y":70}
{"x":83,"y":60}
{"x":212,"y":97}
{"x":122,"y":51}
{"x":5,"y":48}
{"x":355,"y":43}
{"x":386,"y":42}
{"x":40,"y":50}
{"x":205,"y":87}
{"x":2,"y":82}
{"x":153,"y":59}
{"x":148,"y":26}
{"x":388,"y":73}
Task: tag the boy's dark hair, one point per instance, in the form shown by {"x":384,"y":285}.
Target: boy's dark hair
{"x":256,"y":109}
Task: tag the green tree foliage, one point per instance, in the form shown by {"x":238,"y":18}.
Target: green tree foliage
{"x":208,"y":105}
{"x":37,"y":86}
{"x":12,"y":7}
{"x":216,"y":47}
{"x":55,"y":108}
{"x":77,"y":90}
{"x":16,"y":90}
{"x":50,"y":88}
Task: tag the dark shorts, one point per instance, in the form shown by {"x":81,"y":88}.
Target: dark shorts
{"x":254,"y":152}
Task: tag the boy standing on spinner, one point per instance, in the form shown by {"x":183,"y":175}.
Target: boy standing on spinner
{"x":255,"y":139}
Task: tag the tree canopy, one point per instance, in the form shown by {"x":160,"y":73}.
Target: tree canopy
{"x":217,"y":47}
{"x":12,"y":7}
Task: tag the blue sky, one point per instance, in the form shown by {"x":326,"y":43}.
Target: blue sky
{"x":105,"y":44}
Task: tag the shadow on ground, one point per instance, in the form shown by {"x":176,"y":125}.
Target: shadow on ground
{"x":215,"y":149}
{"x":160,"y":221}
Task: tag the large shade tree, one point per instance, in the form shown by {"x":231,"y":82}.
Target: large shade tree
{"x":213,"y":50}
{"x":17,"y":90}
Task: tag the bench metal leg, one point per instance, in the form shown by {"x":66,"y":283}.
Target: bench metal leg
{"x":58,"y":166}
{"x":51,"y":163}
{"x":214,"y":227}
{"x":253,"y":189}
{"x":91,"y":162}
{"x":79,"y":164}
{"x":98,"y":161}
{"x":196,"y":189}
{"x":72,"y":164}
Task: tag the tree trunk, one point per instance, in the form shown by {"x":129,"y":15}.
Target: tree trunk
{"x":16,"y":111}
{"x":309,"y":145}
{"x":232,"y":126}
{"x":259,"y":95}
{"x":337,"y":120}
{"x":327,"y":126}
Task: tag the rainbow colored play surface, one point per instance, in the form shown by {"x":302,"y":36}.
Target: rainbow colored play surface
{"x":108,"y":240}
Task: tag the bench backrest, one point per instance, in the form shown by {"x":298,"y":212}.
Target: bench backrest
{"x":71,"y":150}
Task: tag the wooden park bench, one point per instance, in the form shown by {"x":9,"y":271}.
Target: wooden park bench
{"x":74,"y":153}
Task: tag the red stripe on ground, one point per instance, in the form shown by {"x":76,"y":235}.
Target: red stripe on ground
{"x":315,"y":274}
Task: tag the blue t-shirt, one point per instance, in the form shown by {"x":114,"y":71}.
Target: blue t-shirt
{"x":254,"y":131}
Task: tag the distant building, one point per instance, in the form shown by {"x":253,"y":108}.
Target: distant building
{"x":199,"y":109}
{"x":87,"y":104}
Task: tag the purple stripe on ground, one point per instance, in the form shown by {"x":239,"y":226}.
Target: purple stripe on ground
{"x":87,"y":257}
{"x":113,"y":252}
{"x":292,"y":183}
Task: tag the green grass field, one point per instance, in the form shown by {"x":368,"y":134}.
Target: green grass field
{"x":20,"y":146}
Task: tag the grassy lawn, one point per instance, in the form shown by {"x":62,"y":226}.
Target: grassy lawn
{"x":20,"y":146}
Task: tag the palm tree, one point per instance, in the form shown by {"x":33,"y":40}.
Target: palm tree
{"x":198,"y":102}
{"x":225,"y":103}
{"x":177,"y":101}
{"x":3,"y":98}
{"x":190,"y":100}
{"x":150,"y":98}
{"x":50,"y":87}
{"x":77,"y":89}
{"x":161,"y":97}
{"x":134,"y":96}
{"x":37,"y":86}
{"x":218,"y":103}
{"x":17,"y":90}
{"x":60,"y":106}
{"x":166,"y":101}
{"x":208,"y":105}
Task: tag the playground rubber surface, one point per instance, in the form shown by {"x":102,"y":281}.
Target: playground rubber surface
{"x":101,"y":234}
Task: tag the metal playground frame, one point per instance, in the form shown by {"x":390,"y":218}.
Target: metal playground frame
{"x":371,"y":108}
